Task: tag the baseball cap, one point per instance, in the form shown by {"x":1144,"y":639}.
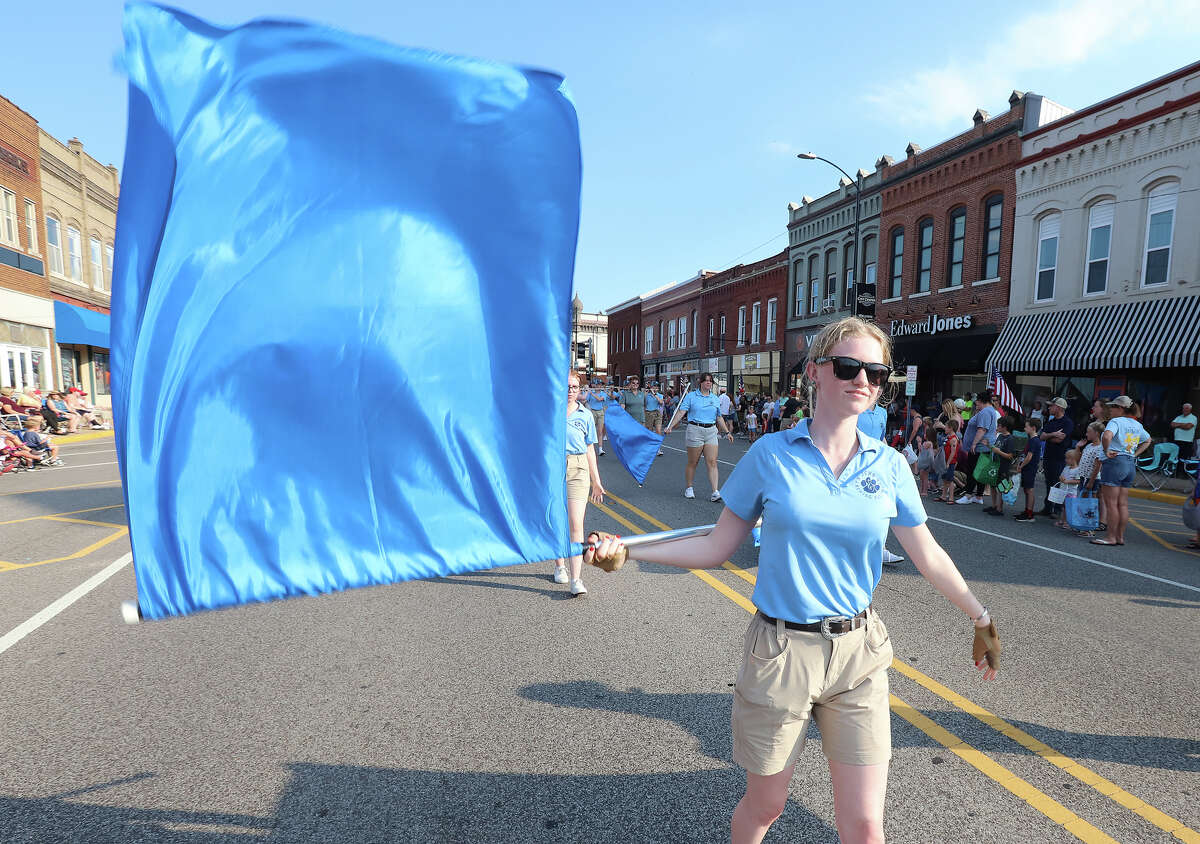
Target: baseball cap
{"x":959,"y":404}
{"x":1121,"y":401}
{"x":1061,"y":402}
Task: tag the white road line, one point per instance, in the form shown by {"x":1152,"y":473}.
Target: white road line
{"x":1067,"y":554}
{"x":25,"y":628}
{"x":684,"y":450}
{"x":76,"y":466}
{"x":78,"y":453}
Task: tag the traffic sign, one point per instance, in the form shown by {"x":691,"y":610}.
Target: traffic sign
{"x":910,"y":383}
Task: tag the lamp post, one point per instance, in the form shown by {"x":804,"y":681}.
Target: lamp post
{"x":857,"y":182}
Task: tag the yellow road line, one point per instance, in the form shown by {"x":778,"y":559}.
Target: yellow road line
{"x":1159,"y":539}
{"x":68,"y":513}
{"x":1085,"y":775}
{"x":81,"y":553}
{"x":79,"y":521}
{"x":1039,"y":800}
{"x":52,"y":488}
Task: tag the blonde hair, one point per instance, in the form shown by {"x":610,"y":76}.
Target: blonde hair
{"x":1075,"y":452}
{"x":836,"y":332}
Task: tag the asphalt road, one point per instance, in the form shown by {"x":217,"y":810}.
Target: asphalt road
{"x":493,"y":707}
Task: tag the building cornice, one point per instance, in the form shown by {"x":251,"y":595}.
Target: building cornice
{"x":1112,"y":168}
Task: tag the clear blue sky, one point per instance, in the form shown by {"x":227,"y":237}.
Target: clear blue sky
{"x":691,"y":113}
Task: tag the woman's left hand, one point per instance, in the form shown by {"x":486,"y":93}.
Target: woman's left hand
{"x":729,"y":435}
{"x":597,"y":493}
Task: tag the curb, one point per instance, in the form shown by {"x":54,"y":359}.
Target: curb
{"x":71,"y":439}
{"x":1166,"y":497}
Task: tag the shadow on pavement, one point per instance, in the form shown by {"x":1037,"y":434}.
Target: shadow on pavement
{"x":332,"y":804}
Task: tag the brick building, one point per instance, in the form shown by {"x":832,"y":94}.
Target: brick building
{"x":742,"y":321}
{"x":624,"y":339}
{"x":670,"y":333}
{"x":946,"y":229}
{"x":26,"y":310}
{"x":79,"y":201}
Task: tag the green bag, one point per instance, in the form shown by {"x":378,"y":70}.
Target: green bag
{"x":987,"y":470}
{"x":1004,"y":485}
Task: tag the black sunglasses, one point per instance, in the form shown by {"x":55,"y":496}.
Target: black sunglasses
{"x":847,"y":369}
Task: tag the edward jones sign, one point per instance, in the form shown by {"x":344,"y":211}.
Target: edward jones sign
{"x":932,"y":325}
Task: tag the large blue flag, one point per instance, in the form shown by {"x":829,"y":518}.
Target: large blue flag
{"x":341,"y":306}
{"x":635,"y":445}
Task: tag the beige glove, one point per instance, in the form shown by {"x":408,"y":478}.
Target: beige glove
{"x":610,"y":554}
{"x":986,"y":647}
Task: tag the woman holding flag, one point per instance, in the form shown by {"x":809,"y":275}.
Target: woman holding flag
{"x":582,"y":473}
{"x":816,"y":649}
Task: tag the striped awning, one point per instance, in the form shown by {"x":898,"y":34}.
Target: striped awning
{"x":1149,"y":334}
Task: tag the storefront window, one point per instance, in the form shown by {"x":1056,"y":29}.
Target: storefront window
{"x":35,"y":364}
{"x":70,"y":368}
{"x":103,"y":376}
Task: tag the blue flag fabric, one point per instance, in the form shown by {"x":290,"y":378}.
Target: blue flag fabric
{"x":635,"y":445}
{"x":341,"y":306}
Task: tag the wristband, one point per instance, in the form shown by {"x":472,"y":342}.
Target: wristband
{"x":978,"y":618}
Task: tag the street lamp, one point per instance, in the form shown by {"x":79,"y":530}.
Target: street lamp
{"x":857,"y":182}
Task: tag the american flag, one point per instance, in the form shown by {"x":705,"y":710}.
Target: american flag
{"x":999,"y":388}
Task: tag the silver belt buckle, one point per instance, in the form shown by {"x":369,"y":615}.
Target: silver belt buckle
{"x":829,"y":634}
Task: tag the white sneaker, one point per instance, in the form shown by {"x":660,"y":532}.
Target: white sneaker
{"x":979,"y":499}
{"x":601,"y":452}
{"x":577,"y":588}
{"x":660,"y":452}
{"x":716,"y":496}
{"x":890,"y":559}
{"x":560,"y":574}
{"x":688,"y":493}
{"x":966,"y":499}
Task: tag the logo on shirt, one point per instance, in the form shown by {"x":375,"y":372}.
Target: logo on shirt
{"x":870,"y":485}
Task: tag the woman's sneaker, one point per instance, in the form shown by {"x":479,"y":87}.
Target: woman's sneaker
{"x":716,"y":496}
{"x":577,"y":588}
{"x":560,"y":574}
{"x":689,"y":493}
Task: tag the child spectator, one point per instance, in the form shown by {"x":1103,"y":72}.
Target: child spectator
{"x":1029,"y":466}
{"x":752,"y":425}
{"x":950,"y":449}
{"x":12,"y":448}
{"x":925,"y":448}
{"x":1089,"y":469}
{"x":1070,"y":479}
{"x":1002,"y":453}
{"x":43,"y":448}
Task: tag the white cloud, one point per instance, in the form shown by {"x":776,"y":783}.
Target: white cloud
{"x":1074,"y":32}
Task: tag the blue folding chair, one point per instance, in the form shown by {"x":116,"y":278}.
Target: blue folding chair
{"x":1161,"y":463}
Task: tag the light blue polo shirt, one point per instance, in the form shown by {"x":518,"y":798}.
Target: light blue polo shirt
{"x":1127,"y":433}
{"x":652,"y":402}
{"x":699,"y":407}
{"x":581,"y":430}
{"x":822,"y":537}
{"x":873,"y":422}
{"x":595,"y":398}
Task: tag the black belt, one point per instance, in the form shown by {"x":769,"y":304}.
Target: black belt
{"x":830,"y":628}
{"x":703,"y":424}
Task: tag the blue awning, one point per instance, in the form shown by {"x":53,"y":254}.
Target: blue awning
{"x":73,"y":324}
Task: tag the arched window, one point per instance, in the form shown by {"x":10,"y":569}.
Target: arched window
{"x":924,"y":254}
{"x":54,"y":244}
{"x":993,"y":216}
{"x":897,"y":268}
{"x":1100,"y":222}
{"x":814,"y":285}
{"x":798,"y":289}
{"x":831,"y":279}
{"x":847,"y":274}
{"x":1160,"y":230}
{"x":870,"y":251}
{"x":958,"y":239}
{"x":1047,"y":266}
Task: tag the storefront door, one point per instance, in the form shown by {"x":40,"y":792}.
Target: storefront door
{"x":22,"y":367}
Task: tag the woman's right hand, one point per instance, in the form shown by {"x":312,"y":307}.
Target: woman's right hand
{"x":609,"y":554}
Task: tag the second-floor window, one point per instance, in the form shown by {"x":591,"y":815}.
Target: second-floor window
{"x":74,"y":254}
{"x":1160,"y":229}
{"x":31,"y":227}
{"x":1047,"y":257}
{"x":772,"y":307}
{"x":1100,"y":220}
{"x":8,"y":218}
{"x":870,"y":256}
{"x":814,"y":287}
{"x":683,"y":325}
{"x":897,"y":269}
{"x":670,"y":334}
{"x":756,"y":318}
{"x":94,"y":252}
{"x":925,"y":255}
{"x":958,"y":238}
{"x":742,"y":325}
{"x":661,"y":335}
{"x":712,"y":330}
{"x":649,"y":340}
{"x":721,"y":334}
{"x":830,"y":280}
{"x":848,"y":274}
{"x":54,"y":245}
{"x":993,"y":216}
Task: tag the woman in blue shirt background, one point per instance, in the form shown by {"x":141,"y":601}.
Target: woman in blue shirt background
{"x":1124,"y":439}
{"x":703,"y":409}
{"x":583,"y":477}
{"x":827,"y":494}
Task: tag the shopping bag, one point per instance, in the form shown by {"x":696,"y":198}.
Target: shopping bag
{"x":1082,"y":512}
{"x":1010,"y":495}
{"x":987,"y":471}
{"x":909,"y":454}
{"x":1004,"y":486}
{"x":1057,"y":494}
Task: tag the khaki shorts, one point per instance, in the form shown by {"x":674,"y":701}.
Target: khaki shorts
{"x":653,"y":417}
{"x":579,"y":480}
{"x":697,"y":436}
{"x":598,"y":417}
{"x":784,"y":681}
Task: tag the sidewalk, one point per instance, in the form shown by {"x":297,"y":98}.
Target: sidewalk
{"x":1174,"y":491}
{"x":69,"y":439}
